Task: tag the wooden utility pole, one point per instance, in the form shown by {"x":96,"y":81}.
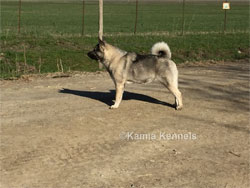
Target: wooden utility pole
{"x":136,"y":16}
{"x":100,"y":19}
{"x":19,"y":16}
{"x":100,"y":25}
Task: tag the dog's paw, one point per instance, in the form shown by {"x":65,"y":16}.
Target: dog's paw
{"x":113,"y":107}
{"x":178,"y":107}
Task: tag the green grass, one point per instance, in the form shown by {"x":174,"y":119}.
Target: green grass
{"x":65,"y":18}
{"x":72,"y":50}
{"x":51,"y":32}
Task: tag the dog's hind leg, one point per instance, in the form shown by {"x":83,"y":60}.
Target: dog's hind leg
{"x":178,"y":96}
{"x":171,"y":82}
{"x":118,"y":95}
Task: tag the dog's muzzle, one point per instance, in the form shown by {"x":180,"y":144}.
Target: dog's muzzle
{"x":93,"y":55}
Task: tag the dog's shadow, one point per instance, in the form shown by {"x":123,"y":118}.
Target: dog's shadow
{"x":107,"y":97}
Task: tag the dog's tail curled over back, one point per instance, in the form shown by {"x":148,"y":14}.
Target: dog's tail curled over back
{"x":161,"y":49}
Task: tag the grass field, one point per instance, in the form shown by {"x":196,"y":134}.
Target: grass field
{"x":51,"y":33}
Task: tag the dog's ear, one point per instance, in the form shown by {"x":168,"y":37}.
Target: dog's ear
{"x":101,"y":42}
{"x":102,"y":45}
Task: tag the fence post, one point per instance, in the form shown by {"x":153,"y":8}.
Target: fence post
{"x":225,"y":21}
{"x":100,"y":19}
{"x":83,"y":14}
{"x":19,"y":16}
{"x":100,"y":25}
{"x":136,"y":16}
{"x":183,"y":17}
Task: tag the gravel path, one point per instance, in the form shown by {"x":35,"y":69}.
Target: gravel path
{"x":68,"y":138}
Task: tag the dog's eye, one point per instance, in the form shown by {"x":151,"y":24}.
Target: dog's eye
{"x":98,"y":47}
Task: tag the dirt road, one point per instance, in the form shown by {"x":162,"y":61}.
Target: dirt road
{"x":68,"y":138}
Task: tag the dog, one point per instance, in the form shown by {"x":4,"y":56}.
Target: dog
{"x":129,"y":67}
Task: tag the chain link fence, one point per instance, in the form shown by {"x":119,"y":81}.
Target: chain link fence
{"x":41,"y":36}
{"x":122,"y":17}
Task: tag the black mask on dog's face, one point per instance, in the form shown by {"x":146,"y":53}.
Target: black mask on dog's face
{"x":93,"y":55}
{"x":97,"y":53}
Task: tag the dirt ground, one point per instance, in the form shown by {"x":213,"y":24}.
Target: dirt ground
{"x":68,"y":138}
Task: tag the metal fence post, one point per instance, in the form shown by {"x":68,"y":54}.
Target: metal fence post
{"x":183,"y":17}
{"x":19,"y":16}
{"x":83,"y":12}
{"x":136,"y":16}
{"x":225,"y":21}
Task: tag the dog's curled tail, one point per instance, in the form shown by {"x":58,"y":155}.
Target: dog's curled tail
{"x":161,"y":49}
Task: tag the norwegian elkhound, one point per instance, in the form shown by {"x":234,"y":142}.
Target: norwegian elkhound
{"x":129,"y":67}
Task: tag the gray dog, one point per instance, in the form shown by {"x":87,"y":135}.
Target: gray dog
{"x":128,"y":67}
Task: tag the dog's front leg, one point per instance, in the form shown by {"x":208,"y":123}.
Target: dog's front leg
{"x":118,"y":96}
